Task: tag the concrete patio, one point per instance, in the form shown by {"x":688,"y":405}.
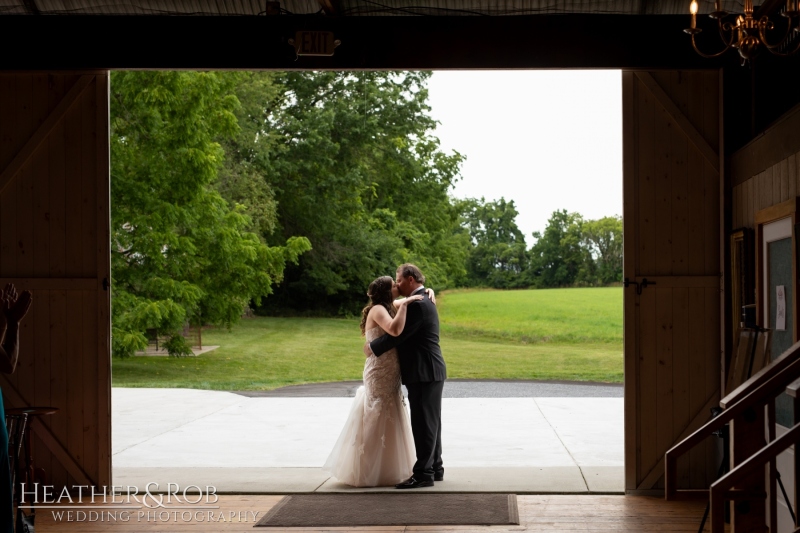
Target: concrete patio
{"x":276,"y":445}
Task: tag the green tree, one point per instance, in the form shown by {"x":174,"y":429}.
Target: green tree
{"x":349,"y":162}
{"x":180,"y":252}
{"x":603,"y":238}
{"x":498,"y":256}
{"x":558,"y":257}
{"x":241,"y":178}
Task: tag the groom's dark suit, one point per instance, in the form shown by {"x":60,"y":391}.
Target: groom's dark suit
{"x":423,"y":372}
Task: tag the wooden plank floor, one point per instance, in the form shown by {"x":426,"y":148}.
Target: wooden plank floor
{"x":558,"y":513}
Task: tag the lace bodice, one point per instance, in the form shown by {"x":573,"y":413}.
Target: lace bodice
{"x":374,"y":333}
{"x":381,"y":374}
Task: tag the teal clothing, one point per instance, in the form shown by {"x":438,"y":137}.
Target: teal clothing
{"x":6,"y":503}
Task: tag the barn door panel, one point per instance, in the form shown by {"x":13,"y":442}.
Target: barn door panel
{"x":54,"y":241}
{"x":671,"y":217}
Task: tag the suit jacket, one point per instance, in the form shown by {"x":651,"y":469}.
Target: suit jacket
{"x":418,"y":345}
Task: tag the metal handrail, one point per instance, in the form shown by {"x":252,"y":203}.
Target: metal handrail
{"x":720,"y":489}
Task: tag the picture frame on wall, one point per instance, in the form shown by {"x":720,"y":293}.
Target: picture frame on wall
{"x":743,"y":290}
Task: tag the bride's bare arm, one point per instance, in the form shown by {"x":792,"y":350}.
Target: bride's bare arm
{"x":392,"y":326}
{"x":429,"y":292}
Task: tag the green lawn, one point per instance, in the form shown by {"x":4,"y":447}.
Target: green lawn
{"x":550,"y":315}
{"x":570,"y":334}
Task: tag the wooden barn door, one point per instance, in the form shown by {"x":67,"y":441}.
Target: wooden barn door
{"x":54,"y":241}
{"x":672,"y":302}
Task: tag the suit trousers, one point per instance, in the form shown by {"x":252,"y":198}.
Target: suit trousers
{"x":425,"y":401}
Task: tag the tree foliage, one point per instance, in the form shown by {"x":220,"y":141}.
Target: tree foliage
{"x":180,"y":252}
{"x":558,"y":258}
{"x":350,"y":163}
{"x":498,"y":255}
{"x":603,"y":238}
{"x":223,"y":182}
{"x":573,"y":251}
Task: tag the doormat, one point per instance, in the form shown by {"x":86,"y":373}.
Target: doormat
{"x":336,"y":510}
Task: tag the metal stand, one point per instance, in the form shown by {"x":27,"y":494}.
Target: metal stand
{"x":19,"y":437}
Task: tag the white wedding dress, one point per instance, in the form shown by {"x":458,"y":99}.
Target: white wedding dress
{"x":376,"y":447}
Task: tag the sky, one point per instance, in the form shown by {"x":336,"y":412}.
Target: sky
{"x":547,"y":139}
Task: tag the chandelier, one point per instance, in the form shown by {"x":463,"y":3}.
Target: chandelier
{"x":747,"y":34}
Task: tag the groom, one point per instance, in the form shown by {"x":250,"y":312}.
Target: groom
{"x":423,"y":372}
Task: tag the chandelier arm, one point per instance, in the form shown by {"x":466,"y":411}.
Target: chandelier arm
{"x":725,"y":27}
{"x":765,"y":23}
{"x":712,"y":56}
{"x":785,"y":54}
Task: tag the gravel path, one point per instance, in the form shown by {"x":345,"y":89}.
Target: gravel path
{"x":461,"y":388}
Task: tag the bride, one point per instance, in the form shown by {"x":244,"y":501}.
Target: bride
{"x":376,"y":447}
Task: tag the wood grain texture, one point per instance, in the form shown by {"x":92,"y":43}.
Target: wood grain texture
{"x":645,"y":182}
{"x":680,"y":120}
{"x":681,"y":409}
{"x":647,"y":378}
{"x":665,"y":392}
{"x":675,"y":344}
{"x":55,"y":146}
{"x":696,"y":215}
{"x":751,"y":206}
{"x":680,"y":205}
{"x":629,"y":225}
{"x":29,"y":138}
{"x":698,"y":368}
{"x":103,"y":272}
{"x":783,"y":171}
{"x":765,"y":189}
{"x":712,"y":227}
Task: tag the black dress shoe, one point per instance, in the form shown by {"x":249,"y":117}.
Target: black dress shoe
{"x":414,"y":483}
{"x":438,"y":475}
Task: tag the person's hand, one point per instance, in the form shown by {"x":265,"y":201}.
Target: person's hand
{"x":431,"y":296}
{"x":406,"y":301}
{"x":9,"y":294}
{"x":367,"y":349}
{"x":20,"y":307}
{"x":415,"y":298}
{"x":8,"y":298}
{"x":14,"y":306}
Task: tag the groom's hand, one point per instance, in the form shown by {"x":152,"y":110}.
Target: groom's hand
{"x":367,"y":350}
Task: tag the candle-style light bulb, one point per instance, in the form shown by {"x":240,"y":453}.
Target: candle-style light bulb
{"x":693,"y":11}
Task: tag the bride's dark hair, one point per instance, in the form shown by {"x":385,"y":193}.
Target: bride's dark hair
{"x":380,"y":293}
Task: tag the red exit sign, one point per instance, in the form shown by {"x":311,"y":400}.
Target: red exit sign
{"x":314,"y":43}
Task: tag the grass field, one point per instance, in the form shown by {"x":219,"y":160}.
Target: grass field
{"x":557,"y":316}
{"x":568,"y":334}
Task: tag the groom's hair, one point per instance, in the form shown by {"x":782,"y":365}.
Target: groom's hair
{"x":407,"y":269}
